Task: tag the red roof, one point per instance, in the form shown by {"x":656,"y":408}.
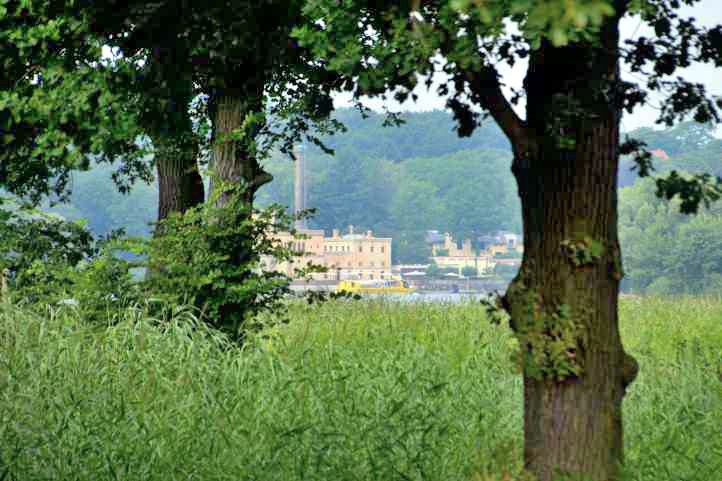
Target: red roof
{"x":659,"y":153}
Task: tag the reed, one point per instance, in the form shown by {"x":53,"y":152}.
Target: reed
{"x":368,"y":390}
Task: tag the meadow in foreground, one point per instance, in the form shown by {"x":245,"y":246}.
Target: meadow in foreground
{"x":366,"y":390}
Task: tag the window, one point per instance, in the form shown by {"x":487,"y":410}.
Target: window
{"x":382,"y":249}
{"x":360,"y":248}
{"x":359,"y":264}
{"x":372,"y":248}
{"x":372,"y":263}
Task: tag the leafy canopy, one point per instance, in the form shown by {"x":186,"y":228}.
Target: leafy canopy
{"x":383,"y":49}
{"x":56,"y":102}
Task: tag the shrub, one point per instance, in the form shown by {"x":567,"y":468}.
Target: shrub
{"x":212,"y":258}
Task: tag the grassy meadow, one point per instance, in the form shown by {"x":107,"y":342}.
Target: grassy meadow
{"x":367,"y":390}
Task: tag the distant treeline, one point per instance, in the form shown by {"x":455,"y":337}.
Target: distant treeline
{"x":402,"y":181}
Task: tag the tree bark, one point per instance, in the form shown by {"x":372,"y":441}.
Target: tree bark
{"x":563,"y":301}
{"x":180,"y":186}
{"x":233,"y":161}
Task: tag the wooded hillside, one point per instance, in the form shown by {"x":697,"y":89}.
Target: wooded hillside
{"x":401,"y":181}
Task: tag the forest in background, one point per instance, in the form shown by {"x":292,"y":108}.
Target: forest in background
{"x":402,"y":181}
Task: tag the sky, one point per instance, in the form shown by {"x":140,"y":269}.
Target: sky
{"x":706,"y":12}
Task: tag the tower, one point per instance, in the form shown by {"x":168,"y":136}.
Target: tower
{"x":299,"y":185}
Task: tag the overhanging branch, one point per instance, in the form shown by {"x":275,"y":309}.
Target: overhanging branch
{"x":486,"y":92}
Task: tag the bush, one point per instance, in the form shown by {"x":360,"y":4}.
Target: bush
{"x":49,"y":261}
{"x":211,"y":257}
{"x":37,"y":247}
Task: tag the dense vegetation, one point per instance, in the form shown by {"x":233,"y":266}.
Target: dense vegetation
{"x":265,"y":79}
{"x":379,"y":391}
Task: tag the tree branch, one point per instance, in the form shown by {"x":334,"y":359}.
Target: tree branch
{"x":486,"y":92}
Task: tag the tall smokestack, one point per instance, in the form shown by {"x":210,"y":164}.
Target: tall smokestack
{"x":299,"y":185}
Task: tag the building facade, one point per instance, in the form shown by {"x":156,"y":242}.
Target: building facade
{"x":348,"y":256}
{"x":448,"y":254}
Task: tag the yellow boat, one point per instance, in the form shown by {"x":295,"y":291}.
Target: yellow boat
{"x":390,"y":286}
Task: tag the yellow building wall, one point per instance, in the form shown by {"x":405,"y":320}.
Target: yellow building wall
{"x":350,"y":256}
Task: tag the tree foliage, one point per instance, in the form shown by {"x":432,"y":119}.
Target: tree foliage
{"x":56,"y":102}
{"x":666,"y":252}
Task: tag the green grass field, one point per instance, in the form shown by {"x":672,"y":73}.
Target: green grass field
{"x":367,"y":390}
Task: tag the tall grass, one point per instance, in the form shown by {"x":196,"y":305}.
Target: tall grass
{"x":370,"y":390}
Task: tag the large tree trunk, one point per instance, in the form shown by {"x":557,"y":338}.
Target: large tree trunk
{"x":563,"y":302}
{"x":180,"y":185}
{"x":233,"y":161}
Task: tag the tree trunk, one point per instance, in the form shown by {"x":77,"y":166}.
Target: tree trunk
{"x":180,"y":186}
{"x":234,"y":161}
{"x":563,"y":301}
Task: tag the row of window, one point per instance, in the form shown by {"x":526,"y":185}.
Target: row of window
{"x":334,"y":276}
{"x":301,"y":247}
{"x":360,"y":264}
{"x":348,"y":249}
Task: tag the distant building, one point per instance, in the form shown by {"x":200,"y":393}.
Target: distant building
{"x":434,"y":237}
{"x":449,"y":255}
{"x":348,"y":256}
{"x":502,"y":237}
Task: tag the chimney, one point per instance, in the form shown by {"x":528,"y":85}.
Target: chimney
{"x":299,"y":185}
{"x":369,"y":234}
{"x":350,"y":229}
{"x":335,"y":234}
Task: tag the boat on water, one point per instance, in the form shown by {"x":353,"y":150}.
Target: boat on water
{"x":388,"y":286}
